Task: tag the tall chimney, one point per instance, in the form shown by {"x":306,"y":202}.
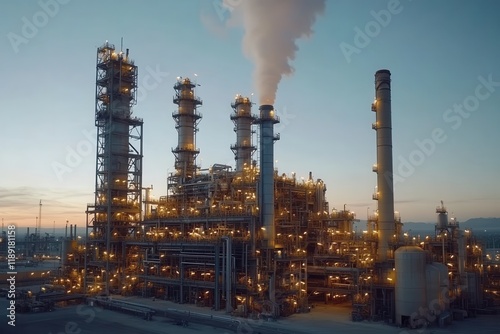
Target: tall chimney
{"x":385,"y":193}
{"x":267,"y":120}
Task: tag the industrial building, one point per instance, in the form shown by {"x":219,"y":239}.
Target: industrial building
{"x":247,"y":239}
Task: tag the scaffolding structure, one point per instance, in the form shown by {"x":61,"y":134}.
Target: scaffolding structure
{"x":116,"y":211}
{"x":248,"y":240}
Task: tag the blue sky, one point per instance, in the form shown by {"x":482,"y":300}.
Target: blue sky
{"x":442,"y":54}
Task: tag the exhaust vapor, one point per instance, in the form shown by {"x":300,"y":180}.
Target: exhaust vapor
{"x":271,"y":30}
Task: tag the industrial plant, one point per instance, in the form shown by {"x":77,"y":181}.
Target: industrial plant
{"x":248,"y":239}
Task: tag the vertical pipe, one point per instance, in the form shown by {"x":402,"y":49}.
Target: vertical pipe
{"x":217,"y":274}
{"x":266,"y":185}
{"x":148,"y":202}
{"x":384,"y":162}
{"x":85,"y":254}
{"x":181,"y":269}
{"x":461,"y":244}
{"x":228,"y":261}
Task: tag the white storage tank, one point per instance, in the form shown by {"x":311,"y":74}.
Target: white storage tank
{"x":410,"y":290}
{"x":436,"y":288}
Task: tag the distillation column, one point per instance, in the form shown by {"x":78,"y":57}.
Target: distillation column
{"x":385,"y":193}
{"x":267,"y":120}
{"x":187,"y":119}
{"x":243,"y":120}
{"x":117,"y":207}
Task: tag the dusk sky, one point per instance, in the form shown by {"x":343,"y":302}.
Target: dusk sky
{"x":443,"y":56}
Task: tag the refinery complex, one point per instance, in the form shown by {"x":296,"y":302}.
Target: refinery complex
{"x":250,"y":240}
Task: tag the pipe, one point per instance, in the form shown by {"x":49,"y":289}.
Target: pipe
{"x":148,"y":201}
{"x":266,"y":183}
{"x":385,"y":196}
{"x":228,"y":270}
{"x":461,"y":245}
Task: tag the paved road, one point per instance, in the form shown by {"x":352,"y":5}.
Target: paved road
{"x":83,"y":319}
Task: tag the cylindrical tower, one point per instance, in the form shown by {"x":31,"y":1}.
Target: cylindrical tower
{"x":267,"y":120}
{"x":442,"y":221}
{"x":410,"y":289}
{"x":385,"y":192}
{"x":119,"y":140}
{"x":186,"y":118}
{"x":118,"y":187}
{"x":320,"y":203}
{"x":243,"y":119}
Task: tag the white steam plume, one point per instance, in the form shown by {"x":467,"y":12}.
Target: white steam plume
{"x":271,"y":30}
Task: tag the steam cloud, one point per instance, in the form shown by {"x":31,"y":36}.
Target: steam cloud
{"x":271,"y":30}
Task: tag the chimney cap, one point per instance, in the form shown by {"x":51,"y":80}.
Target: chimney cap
{"x":383,"y":71}
{"x":266,"y":107}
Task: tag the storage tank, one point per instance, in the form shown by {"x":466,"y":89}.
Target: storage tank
{"x":410,"y":290}
{"x":436,"y":288}
{"x":473,"y":290}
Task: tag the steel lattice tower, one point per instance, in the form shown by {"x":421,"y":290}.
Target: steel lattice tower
{"x":116,"y":212}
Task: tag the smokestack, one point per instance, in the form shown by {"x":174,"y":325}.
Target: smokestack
{"x":243,"y":120}
{"x":71,"y":232}
{"x":74,"y":234}
{"x":385,"y":193}
{"x":266,"y":183}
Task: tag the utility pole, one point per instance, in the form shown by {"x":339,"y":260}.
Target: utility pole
{"x":40,"y":218}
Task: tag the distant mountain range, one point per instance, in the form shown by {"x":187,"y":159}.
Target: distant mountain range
{"x":474,"y":224}
{"x":477,"y":225}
